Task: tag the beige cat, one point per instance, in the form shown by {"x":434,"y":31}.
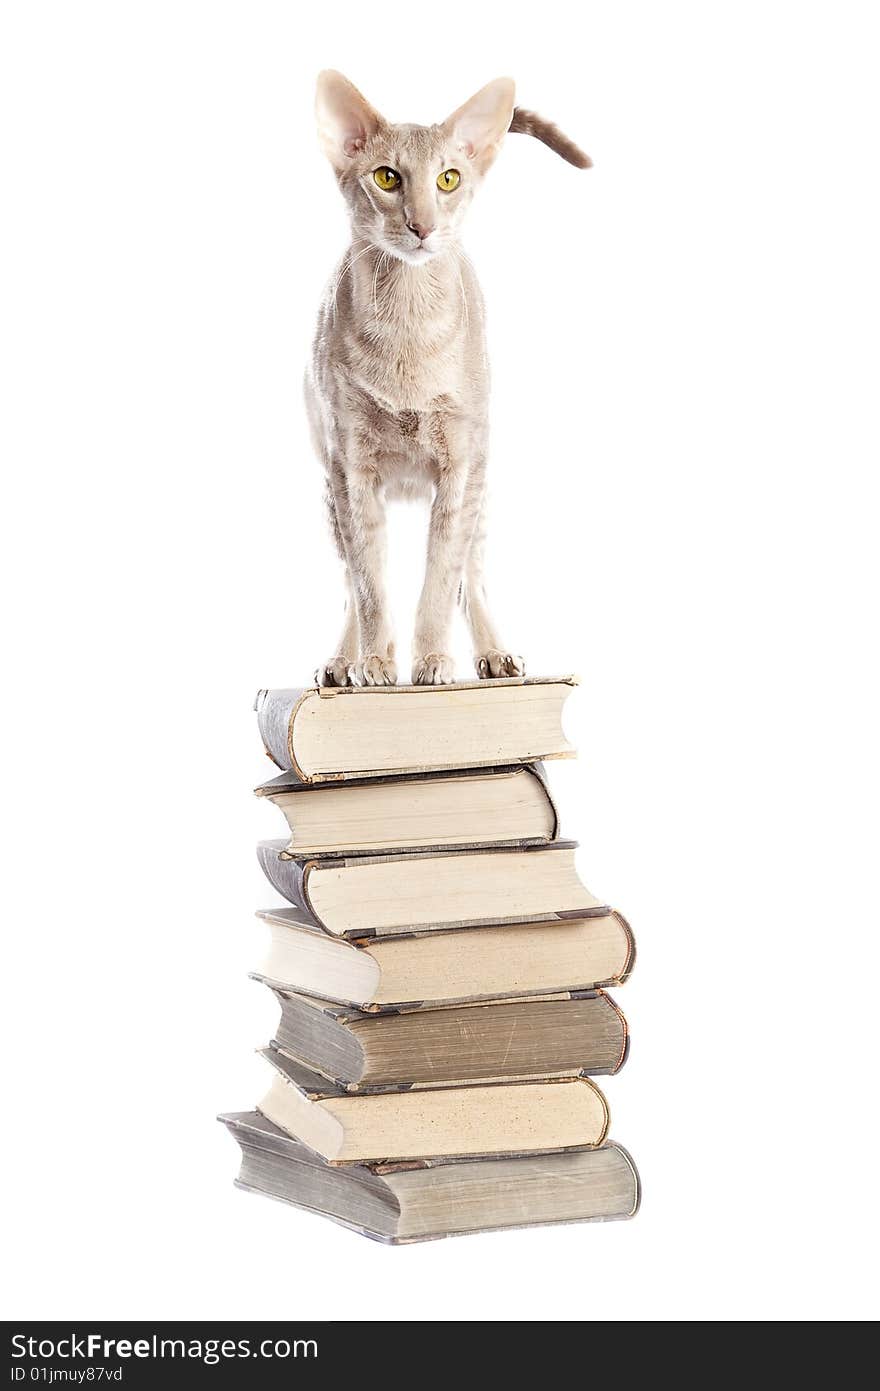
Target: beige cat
{"x":397,"y":391}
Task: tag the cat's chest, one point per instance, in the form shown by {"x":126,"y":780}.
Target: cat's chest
{"x":407,"y":392}
{"x":403,"y":445}
{"x":409,"y":374}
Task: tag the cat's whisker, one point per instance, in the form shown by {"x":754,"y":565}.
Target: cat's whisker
{"x":337,"y":282}
{"x":463,"y":256}
{"x":464,"y":304}
{"x":344,"y":271}
{"x":378,"y":267}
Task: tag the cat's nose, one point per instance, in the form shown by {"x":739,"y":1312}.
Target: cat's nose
{"x":420,"y":229}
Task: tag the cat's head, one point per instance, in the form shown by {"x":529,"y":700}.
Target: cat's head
{"x":407,"y":187}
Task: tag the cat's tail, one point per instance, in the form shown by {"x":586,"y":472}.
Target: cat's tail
{"x":530,"y":123}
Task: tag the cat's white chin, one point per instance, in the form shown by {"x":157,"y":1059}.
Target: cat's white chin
{"x":416,"y":255}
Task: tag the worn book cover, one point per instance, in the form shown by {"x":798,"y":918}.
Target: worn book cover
{"x":339,"y":733}
{"x":457,"y":809}
{"x":426,"y":1199}
{"x":418,"y":970}
{"x":583,"y":1032}
{"x":385,"y":895}
{"x":475,"y":1118}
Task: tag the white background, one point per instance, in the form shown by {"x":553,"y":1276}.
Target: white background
{"x":685,"y":356}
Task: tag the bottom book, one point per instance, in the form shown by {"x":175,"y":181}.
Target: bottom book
{"x":426,"y":1199}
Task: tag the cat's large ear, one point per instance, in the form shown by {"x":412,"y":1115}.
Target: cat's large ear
{"x":346,"y":120}
{"x":479,"y":126}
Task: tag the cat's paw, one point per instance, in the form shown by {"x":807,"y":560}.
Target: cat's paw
{"x":494,"y":664}
{"x":436,"y":669}
{"x":373,"y":671}
{"x":333,"y":673}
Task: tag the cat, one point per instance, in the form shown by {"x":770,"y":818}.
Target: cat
{"x":397,"y":389}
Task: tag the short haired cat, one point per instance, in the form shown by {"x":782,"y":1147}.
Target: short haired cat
{"x":397,"y":389}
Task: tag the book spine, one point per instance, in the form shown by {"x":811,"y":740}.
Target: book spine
{"x":274,"y":709}
{"x":538,"y":771}
{"x":287,"y":876}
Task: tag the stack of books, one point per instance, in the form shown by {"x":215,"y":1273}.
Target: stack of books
{"x":439,"y":967}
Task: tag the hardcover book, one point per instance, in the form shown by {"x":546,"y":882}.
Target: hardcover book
{"x":431,"y":1198}
{"x":362,"y":895}
{"x":339,"y":733}
{"x":429,"y":811}
{"x":360,"y":1051}
{"x":434,"y":968}
{"x":502,"y":1118}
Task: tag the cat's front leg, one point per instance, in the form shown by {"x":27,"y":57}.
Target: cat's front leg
{"x":453,"y":514}
{"x":334,"y":671}
{"x":491,"y":657}
{"x":361,"y":512}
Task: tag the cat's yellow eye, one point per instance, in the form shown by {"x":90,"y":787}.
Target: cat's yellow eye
{"x":386,"y":178}
{"x":448,"y":180}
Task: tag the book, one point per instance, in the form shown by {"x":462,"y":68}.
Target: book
{"x":359,"y":1051}
{"x":428,"y":811}
{"x":428,"y":1199}
{"x":501,"y":1118}
{"x":363,"y":895}
{"x":337,"y":733}
{"x":419,"y":970}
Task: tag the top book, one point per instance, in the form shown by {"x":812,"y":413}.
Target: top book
{"x":329,"y":734}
